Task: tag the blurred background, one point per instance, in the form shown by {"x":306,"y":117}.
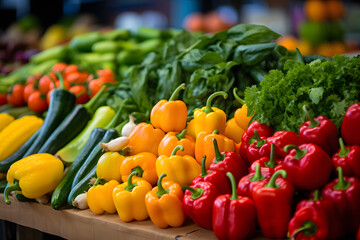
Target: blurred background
{"x":325,"y":27}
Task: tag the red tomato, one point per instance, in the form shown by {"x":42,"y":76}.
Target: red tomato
{"x":106,"y":73}
{"x":57,"y":85}
{"x":15,"y":95}
{"x":95,"y":86}
{"x":45,"y":82}
{"x":48,"y":97}
{"x":77,"y":77}
{"x":28,"y":90}
{"x":37,"y":102}
{"x":33,"y":78}
{"x":3,"y":99}
{"x":70,"y":69}
{"x":59,"y":67}
{"x":81,"y":93}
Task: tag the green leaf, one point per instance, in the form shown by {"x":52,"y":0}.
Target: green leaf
{"x":316,"y":94}
{"x":250,"y":34}
{"x":253,"y":54}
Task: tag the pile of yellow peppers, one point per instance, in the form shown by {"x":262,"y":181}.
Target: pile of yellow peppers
{"x":163,"y":157}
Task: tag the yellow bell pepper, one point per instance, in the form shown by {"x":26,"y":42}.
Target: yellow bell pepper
{"x":233,"y":131}
{"x":190,"y":129}
{"x":5,"y":119}
{"x":129,"y":198}
{"x":180,"y":169}
{"x":144,"y":163}
{"x":241,"y":117}
{"x":99,"y":197}
{"x":144,"y":138}
{"x":208,"y":119}
{"x":108,"y":166}
{"x":34,"y":176}
{"x":205,"y":146}
{"x":172,"y":139}
{"x":17,"y":133}
{"x":170,"y":116}
{"x":164,"y":204}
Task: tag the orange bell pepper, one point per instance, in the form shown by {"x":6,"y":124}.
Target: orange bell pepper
{"x":180,"y":169}
{"x":144,"y":138}
{"x":241,"y":117}
{"x":208,"y":119}
{"x":204,"y":146}
{"x":172,"y":139}
{"x":144,"y":163}
{"x":190,"y":129}
{"x":129,"y":198}
{"x":164,"y":204}
{"x":233,"y":131}
{"x":99,"y":197}
{"x":170,"y":116}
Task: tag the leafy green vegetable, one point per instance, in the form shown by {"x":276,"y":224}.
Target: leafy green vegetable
{"x":328,"y":87}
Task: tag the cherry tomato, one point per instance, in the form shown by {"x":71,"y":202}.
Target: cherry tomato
{"x":81,"y":93}
{"x":77,"y":77}
{"x":57,"y":85}
{"x":33,"y":78}
{"x":70,"y":69}
{"x":45,"y":82}
{"x":106,"y":73}
{"x":95,"y":86}
{"x":48,"y":97}
{"x":37,"y":102}
{"x":59,"y":67}
{"x":28,"y":90}
{"x":3,"y":99}
{"x":15,"y":95}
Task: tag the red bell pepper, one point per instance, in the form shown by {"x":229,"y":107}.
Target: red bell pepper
{"x":320,"y":131}
{"x":309,"y":223}
{"x":248,"y":136}
{"x":348,"y":158}
{"x":258,"y":148}
{"x":344,"y":192}
{"x":325,"y":205}
{"x":308,"y":166}
{"x":218,"y":179}
{"x":281,"y":139}
{"x":198,"y":203}
{"x":358,"y":235}
{"x":273,"y":201}
{"x":228,"y":162}
{"x":269,"y":163}
{"x":248,"y":182}
{"x":350,"y":127}
{"x":234,"y":217}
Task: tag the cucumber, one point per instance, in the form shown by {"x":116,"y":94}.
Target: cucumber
{"x":61,"y":192}
{"x":82,"y":186}
{"x":94,"y":156}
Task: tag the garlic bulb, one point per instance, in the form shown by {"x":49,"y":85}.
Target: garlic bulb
{"x":127,"y":129}
{"x":116,"y":144}
{"x":81,"y":201}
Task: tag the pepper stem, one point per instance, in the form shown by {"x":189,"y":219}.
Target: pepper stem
{"x":313,"y":123}
{"x":218,"y":156}
{"x":203,"y":167}
{"x":130,"y":186}
{"x":90,"y":104}
{"x":259,"y":140}
{"x":233,"y":186}
{"x":116,"y":117}
{"x":272,"y":183}
{"x":138,"y":170}
{"x":309,"y":228}
{"x":342,"y":184}
{"x":177,"y":148}
{"x":14,"y":187}
{"x":161,"y":190}
{"x":176,"y":92}
{"x":271,"y":163}
{"x":61,"y":80}
{"x":316,"y":195}
{"x":195,"y":192}
{"x":181,"y":135}
{"x":257,"y":175}
{"x":216,"y":131}
{"x":97,"y":182}
{"x":240,"y":100}
{"x":299,"y":152}
{"x":208,"y":108}
{"x":344,"y":150}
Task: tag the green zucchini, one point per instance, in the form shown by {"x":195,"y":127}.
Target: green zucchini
{"x":82,"y":186}
{"x":94,"y":156}
{"x":3,"y":184}
{"x":22,"y":198}
{"x":6,"y":163}
{"x":61,"y":103}
{"x":61,"y":192}
{"x":69,"y":128}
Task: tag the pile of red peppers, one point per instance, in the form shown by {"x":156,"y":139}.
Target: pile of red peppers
{"x":288,"y":185}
